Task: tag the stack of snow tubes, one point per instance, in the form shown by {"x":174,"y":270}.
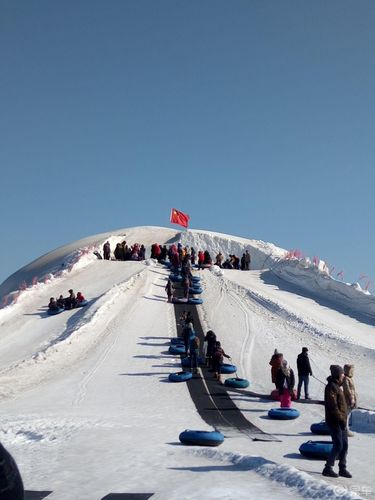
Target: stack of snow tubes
{"x":283,"y":413}
{"x":201,"y":438}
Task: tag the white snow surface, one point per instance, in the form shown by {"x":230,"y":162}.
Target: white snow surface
{"x":85,"y":405}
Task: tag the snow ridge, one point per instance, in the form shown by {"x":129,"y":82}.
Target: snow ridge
{"x":285,"y":474}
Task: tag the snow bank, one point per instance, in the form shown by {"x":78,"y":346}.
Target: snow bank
{"x":262,"y":254}
{"x":316,"y":279}
{"x":363,"y":421}
{"x":286,"y":475}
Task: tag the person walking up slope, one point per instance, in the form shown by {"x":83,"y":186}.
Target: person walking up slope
{"x":336,"y":415}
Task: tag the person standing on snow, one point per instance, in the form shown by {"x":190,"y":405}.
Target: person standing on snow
{"x":275,"y":363}
{"x":304,"y":371}
{"x":187,"y":334}
{"x":106,"y":250}
{"x":194,"y":345}
{"x":285,"y":382}
{"x":247,"y":260}
{"x":218,"y":360}
{"x":210,"y":341}
{"x":169,"y":290}
{"x":349,"y":392}
{"x":336,"y":416}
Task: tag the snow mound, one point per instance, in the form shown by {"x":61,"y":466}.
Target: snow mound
{"x":286,"y":475}
{"x":315,"y":278}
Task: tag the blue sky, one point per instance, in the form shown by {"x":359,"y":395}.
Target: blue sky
{"x":254,"y":117}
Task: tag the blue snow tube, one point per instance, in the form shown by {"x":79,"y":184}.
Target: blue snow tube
{"x":180,"y":376}
{"x":238,"y":383}
{"x":53,"y":312}
{"x":175,"y":277}
{"x":195,"y":279}
{"x":177,"y":349}
{"x":195,"y":291}
{"x":201,"y":438}
{"x":176,"y":340}
{"x":185,"y":362}
{"x":283,"y":413}
{"x":227,"y":368}
{"x":82,"y":304}
{"x":316,"y":449}
{"x":320,"y":428}
{"x":193,"y":300}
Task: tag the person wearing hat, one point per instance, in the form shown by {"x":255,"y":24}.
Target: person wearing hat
{"x":350,"y":393}
{"x":336,"y":414}
{"x":275,"y":363}
{"x":285,"y":381}
{"x":304,"y":371}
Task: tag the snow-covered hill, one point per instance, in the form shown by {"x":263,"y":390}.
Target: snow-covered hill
{"x":85,"y":405}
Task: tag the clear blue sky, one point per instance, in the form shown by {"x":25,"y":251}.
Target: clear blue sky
{"x":254,"y":117}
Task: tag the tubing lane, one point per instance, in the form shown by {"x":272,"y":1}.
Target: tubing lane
{"x":211,"y":399}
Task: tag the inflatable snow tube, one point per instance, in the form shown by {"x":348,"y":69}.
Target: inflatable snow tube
{"x":175,"y":277}
{"x":177,"y":349}
{"x":238,"y":383}
{"x":283,"y":413}
{"x":320,"y":428}
{"x":194,"y":301}
{"x":201,"y":438}
{"x":185,"y":362}
{"x":176,"y":340}
{"x":316,"y":449}
{"x":53,"y":312}
{"x":82,"y":304}
{"x":195,"y":279}
{"x":180,"y":376}
{"x":227,"y":368}
{"x":195,"y":291}
{"x":276,"y":396}
{"x":178,"y":300}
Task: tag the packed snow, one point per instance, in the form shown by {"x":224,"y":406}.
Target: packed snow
{"x":85,"y":402}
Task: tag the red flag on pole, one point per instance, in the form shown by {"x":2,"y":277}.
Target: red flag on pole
{"x":180,"y":218}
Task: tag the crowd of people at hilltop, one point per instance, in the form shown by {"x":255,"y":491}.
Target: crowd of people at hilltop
{"x":69,"y":302}
{"x":175,"y":254}
{"x":123,"y":251}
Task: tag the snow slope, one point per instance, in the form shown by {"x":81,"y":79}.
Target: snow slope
{"x":85,"y":405}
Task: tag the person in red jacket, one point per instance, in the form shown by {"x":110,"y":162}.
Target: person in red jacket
{"x":275,"y":363}
{"x":200,"y":259}
{"x":80,"y":298}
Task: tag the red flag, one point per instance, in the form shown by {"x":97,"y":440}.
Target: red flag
{"x":180,"y":218}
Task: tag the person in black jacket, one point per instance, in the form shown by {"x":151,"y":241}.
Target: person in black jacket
{"x":11,"y":486}
{"x":336,"y":414}
{"x":210,"y":340}
{"x":304,"y":371}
